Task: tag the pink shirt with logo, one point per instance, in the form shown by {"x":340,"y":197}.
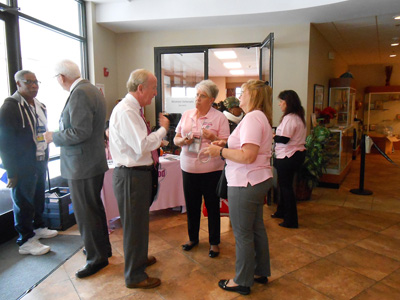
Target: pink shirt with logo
{"x":253,"y":129}
{"x":215,"y":121}
{"x":292,"y":127}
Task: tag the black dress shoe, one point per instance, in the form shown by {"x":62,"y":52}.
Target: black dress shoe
{"x":244,"y":290}
{"x":188,"y":247}
{"x":261,"y":279}
{"x":213,"y":254}
{"x":286,"y":225}
{"x":109,"y":254}
{"x":276,"y":216}
{"x":88,"y":270}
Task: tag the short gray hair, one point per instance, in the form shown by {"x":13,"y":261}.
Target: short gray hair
{"x":20,"y":75}
{"x":67,"y":68}
{"x":137,"y":77}
{"x":209,"y":87}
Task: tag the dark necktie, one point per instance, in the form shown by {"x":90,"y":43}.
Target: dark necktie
{"x":154,"y":153}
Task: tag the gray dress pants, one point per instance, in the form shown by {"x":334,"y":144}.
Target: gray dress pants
{"x":91,"y":217}
{"x":246,"y":214}
{"x":133,"y":189}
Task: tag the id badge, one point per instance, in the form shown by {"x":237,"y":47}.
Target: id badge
{"x":195,"y":146}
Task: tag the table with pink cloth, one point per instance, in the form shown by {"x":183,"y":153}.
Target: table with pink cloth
{"x":170,"y":188}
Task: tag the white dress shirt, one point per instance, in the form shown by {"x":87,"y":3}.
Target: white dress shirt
{"x":130,"y":144}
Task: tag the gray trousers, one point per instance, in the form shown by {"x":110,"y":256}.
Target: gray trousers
{"x":246,"y":214}
{"x":132,"y":189}
{"x":91,"y":217}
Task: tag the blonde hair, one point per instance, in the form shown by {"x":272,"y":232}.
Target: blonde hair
{"x":260,"y":97}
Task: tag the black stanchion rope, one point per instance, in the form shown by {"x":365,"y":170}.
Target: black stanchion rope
{"x":385,"y":156}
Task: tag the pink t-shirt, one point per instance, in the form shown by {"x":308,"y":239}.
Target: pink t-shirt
{"x":215,"y":121}
{"x":253,"y":129}
{"x":292,"y":127}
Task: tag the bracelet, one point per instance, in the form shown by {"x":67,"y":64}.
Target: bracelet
{"x":220,"y":153}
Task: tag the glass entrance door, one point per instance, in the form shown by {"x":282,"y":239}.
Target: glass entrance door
{"x":180,"y":72}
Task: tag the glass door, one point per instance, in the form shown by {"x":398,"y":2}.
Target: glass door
{"x":267,"y":59}
{"x":180,"y":72}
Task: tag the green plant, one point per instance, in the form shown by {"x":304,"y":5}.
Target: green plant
{"x":316,"y":158}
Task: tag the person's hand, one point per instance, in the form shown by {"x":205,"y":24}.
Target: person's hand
{"x":213,"y":150}
{"x":48,"y":136}
{"x":187,"y":141}
{"x":208,"y":134}
{"x":12,"y":182}
{"x":163,"y":121}
{"x":220,"y":143}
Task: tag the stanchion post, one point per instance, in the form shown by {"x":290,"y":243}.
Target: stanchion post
{"x":361,"y":190}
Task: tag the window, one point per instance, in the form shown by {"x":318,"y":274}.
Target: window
{"x":46,"y":36}
{"x":4,"y":84}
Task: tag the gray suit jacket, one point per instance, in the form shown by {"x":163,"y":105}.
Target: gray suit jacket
{"x":81,"y":134}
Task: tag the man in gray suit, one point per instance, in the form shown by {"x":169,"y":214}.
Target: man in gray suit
{"x":83,"y":161}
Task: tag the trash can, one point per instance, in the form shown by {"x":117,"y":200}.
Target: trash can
{"x":58,"y":211}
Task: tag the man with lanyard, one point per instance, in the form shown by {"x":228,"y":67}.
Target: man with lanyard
{"x":133,"y":149}
{"x":24,"y":155}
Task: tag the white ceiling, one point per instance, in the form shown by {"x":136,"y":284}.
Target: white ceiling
{"x":359,"y":30}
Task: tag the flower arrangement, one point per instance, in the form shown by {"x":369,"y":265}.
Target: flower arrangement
{"x":327,"y":114}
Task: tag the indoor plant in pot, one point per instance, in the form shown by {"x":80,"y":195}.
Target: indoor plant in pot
{"x":315,"y":162}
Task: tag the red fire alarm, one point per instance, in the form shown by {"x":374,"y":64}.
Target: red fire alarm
{"x":106,"y":73}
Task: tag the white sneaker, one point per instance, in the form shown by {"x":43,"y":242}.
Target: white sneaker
{"x":45,"y":233}
{"x":34,"y":247}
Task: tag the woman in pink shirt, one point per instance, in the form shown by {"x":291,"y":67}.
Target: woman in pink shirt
{"x":196,"y":129}
{"x":249,"y":177}
{"x":290,"y":152}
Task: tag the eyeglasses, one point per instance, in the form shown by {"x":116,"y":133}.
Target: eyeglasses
{"x":55,"y":76}
{"x":30,"y":82}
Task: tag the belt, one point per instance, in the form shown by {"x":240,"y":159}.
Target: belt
{"x":139,"y":168}
{"x":40,"y":157}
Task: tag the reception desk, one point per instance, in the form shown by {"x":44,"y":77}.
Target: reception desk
{"x":170,"y":188}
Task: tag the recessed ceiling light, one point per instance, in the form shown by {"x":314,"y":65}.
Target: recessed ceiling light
{"x":229,"y":54}
{"x":392,"y":55}
{"x":396,"y":17}
{"x":232,"y":65}
{"x":236,"y":72}
{"x":394,"y":44}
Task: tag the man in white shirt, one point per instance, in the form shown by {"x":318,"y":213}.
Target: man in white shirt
{"x":133,"y":149}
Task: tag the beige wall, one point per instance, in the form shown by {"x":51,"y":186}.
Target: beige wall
{"x":102,"y":54}
{"x":373,"y":75}
{"x":321,"y":68}
{"x":221,"y":84}
{"x":136,"y":50}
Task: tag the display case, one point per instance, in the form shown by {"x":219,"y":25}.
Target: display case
{"x":342,"y":95}
{"x":340,"y":150}
{"x":382,"y":105}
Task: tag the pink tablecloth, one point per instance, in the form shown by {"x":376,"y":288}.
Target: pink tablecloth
{"x":170,"y":191}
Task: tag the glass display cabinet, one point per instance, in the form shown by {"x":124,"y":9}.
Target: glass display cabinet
{"x":342,"y":95}
{"x":382,"y":105}
{"x":339,"y":150}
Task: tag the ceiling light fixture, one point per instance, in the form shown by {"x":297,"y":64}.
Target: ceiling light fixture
{"x":229,"y":54}
{"x":394,"y":44}
{"x":396,"y":17}
{"x":392,"y":55}
{"x":236,"y":72}
{"x":232,"y":65}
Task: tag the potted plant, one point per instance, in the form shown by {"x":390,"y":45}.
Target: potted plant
{"x":315,"y":162}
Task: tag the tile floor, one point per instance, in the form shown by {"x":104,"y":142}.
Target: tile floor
{"x":347,"y":247}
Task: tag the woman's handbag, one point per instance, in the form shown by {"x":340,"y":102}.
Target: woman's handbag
{"x":222,"y":186}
